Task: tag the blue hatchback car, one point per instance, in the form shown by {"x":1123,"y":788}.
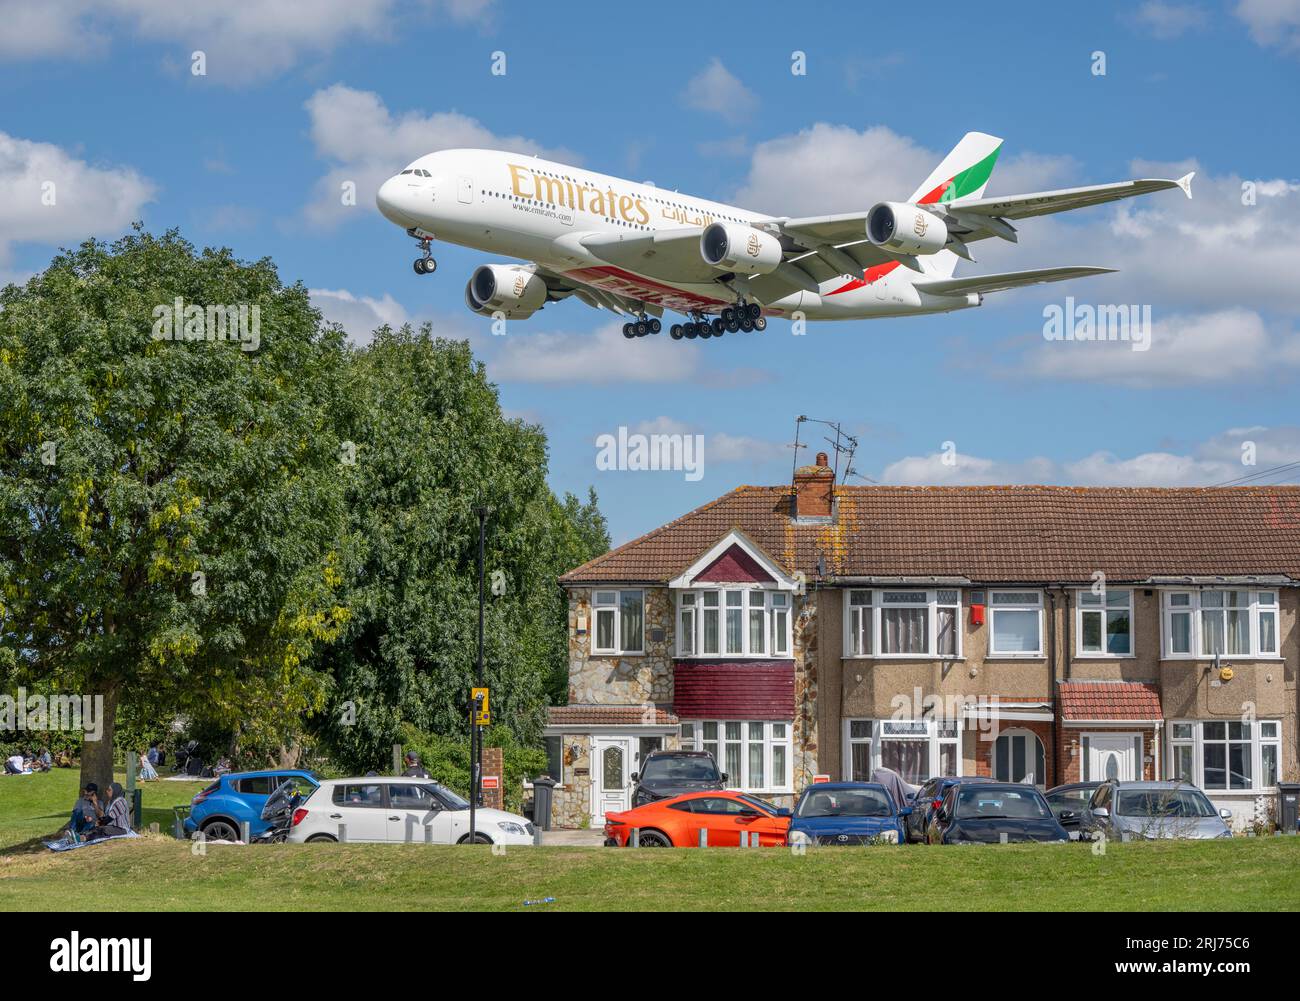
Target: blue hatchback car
{"x":220,"y":809}
{"x":847,"y":813}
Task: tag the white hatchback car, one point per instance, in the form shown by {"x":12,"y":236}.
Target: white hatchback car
{"x":387,"y":809}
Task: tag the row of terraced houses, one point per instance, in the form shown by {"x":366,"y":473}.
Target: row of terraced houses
{"x":1030,"y":633}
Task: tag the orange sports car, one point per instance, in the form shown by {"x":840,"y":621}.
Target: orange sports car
{"x":677,"y":822}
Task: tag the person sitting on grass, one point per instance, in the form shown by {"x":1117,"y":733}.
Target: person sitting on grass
{"x":14,"y":765}
{"x":43,"y":762}
{"x":147,"y":771}
{"x":85,"y":813}
{"x":116,"y":818}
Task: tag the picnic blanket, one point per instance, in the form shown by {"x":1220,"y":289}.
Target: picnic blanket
{"x":66,"y":844}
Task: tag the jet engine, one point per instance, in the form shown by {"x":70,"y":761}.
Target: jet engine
{"x":740,"y":248}
{"x":906,"y":229}
{"x":505,"y":288}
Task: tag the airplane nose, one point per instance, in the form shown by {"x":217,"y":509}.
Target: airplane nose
{"x":389,"y":198}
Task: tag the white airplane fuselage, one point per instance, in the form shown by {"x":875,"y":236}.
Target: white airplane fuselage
{"x":537,"y":210}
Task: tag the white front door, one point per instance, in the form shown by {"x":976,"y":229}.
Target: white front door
{"x":611,"y":770}
{"x":1111,"y":756}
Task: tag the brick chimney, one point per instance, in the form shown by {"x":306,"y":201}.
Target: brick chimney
{"x":814,"y":489}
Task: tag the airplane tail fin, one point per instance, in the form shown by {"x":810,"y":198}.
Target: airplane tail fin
{"x":964,"y":173}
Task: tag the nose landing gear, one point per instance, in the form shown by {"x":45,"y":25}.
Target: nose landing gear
{"x":425,"y":265}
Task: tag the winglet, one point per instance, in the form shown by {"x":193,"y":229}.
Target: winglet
{"x":1185,"y":182}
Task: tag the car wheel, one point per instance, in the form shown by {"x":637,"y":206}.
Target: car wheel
{"x":220,"y":830}
{"x":321,"y":837}
{"x":479,"y":839}
{"x":653,"y":839}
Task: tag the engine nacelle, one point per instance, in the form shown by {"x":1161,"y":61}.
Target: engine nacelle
{"x":505,"y":288}
{"x":739,"y":248}
{"x":906,"y":229}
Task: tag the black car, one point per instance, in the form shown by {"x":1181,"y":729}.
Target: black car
{"x":665,"y":774}
{"x":1069,"y":803}
{"x":927,"y":801}
{"x":993,"y":813}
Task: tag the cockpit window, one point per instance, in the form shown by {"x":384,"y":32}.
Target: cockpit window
{"x":408,"y":172}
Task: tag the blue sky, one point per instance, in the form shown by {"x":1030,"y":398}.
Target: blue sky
{"x":101,"y":99}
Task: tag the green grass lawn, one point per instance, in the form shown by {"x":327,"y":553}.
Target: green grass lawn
{"x":158,"y":873}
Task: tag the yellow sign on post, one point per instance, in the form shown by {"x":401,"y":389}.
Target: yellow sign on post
{"x":482,"y":710}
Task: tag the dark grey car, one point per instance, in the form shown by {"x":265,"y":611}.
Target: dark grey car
{"x":665,"y":774}
{"x":1152,"y":810}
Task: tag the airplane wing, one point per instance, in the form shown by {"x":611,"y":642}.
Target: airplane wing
{"x":666,"y":254}
{"x":1047,"y":202}
{"x":1006,"y":280}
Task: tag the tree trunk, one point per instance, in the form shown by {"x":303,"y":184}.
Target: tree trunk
{"x":97,"y":755}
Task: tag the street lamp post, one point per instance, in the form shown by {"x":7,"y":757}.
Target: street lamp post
{"x":475,"y":738}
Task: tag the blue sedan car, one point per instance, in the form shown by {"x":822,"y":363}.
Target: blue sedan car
{"x":220,"y":809}
{"x":847,"y":813}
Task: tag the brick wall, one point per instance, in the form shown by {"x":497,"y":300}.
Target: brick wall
{"x":494,"y":764}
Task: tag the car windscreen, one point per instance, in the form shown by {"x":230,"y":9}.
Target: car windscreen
{"x":758,"y":804}
{"x":975,"y":802}
{"x":453,"y":801}
{"x":684,"y":769}
{"x":1163,"y":803}
{"x":846,"y":803}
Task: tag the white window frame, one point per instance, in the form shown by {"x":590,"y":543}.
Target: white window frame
{"x":1080,"y":610}
{"x":752,"y":599}
{"x":1027,"y":735}
{"x":1036,"y":605}
{"x":695,"y":741}
{"x":870,"y":615}
{"x":598,"y":605}
{"x":932,"y":735}
{"x":1261,"y":603}
{"x":1196,"y":741}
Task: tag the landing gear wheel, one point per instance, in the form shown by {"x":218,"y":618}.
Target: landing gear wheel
{"x":747,"y":325}
{"x":691,"y":330}
{"x":733,"y":324}
{"x":755,"y":311}
{"x":641,"y":328}
{"x":675,"y":332}
{"x":706,"y":329}
{"x":719,"y":328}
{"x":655,"y":325}
{"x":728,"y":314}
{"x":628,"y":332}
{"x":760,"y":323}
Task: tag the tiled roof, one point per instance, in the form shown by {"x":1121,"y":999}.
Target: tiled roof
{"x":1110,"y":700}
{"x":594,"y":715}
{"x":988,"y":534}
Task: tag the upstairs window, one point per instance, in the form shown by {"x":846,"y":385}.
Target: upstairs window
{"x":903,"y":623}
{"x":734,"y":622}
{"x":1105,"y":623}
{"x":1016,"y":623}
{"x":619,"y":621}
{"x":1223,"y":623}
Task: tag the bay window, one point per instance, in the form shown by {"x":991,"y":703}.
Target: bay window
{"x":619,"y":621}
{"x":733,"y":622}
{"x":916,"y":749}
{"x":1224,"y":623}
{"x":754,"y":754}
{"x":1105,"y":623}
{"x":1226,"y":755}
{"x":1016,"y":620}
{"x":903,"y":623}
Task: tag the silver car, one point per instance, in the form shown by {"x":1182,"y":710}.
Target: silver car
{"x":1122,"y":811}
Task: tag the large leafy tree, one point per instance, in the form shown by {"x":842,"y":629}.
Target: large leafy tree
{"x":172,"y":523}
{"x":431,"y":446}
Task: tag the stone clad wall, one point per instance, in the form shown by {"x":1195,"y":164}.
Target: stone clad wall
{"x":571,"y":802}
{"x":638,"y":679}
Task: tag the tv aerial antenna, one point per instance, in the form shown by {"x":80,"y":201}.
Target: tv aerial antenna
{"x":843,"y":444}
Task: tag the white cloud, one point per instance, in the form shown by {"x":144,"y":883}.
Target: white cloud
{"x":366,"y":144}
{"x":716,"y":91}
{"x":1272,"y":23}
{"x":602,"y":357}
{"x":87,"y":200}
{"x":243,"y":42}
{"x":834,"y":168}
{"x":358,"y":315}
{"x":1229,"y":345}
{"x":1214,"y":461}
{"x":1167,"y":20}
{"x":720,"y":447}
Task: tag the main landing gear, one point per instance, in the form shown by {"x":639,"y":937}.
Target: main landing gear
{"x":425,"y":265}
{"x":744,"y":317}
{"x":643,"y":325}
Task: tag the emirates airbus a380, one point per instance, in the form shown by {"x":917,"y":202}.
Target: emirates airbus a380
{"x":638,"y":250}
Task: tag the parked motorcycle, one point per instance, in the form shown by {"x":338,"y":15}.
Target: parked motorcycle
{"x":278,"y":811}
